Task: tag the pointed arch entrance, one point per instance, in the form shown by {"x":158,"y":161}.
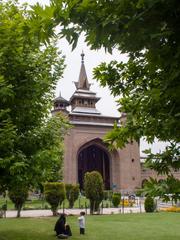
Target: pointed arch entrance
{"x":94,"y":157}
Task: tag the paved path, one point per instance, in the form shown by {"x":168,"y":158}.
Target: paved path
{"x":47,"y":213}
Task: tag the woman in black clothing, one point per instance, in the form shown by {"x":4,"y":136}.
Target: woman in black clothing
{"x":61,"y":227}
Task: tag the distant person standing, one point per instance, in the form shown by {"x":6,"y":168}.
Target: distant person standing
{"x":81,"y":220}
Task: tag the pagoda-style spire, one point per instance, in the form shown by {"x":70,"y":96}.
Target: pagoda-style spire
{"x":82,"y":57}
{"x":83,"y":81}
{"x":60,"y":104}
{"x":83,"y":99}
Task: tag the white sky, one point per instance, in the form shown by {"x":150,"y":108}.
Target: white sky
{"x":106,"y":104}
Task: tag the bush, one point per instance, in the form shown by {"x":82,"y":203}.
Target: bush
{"x":116,"y":199}
{"x":72,"y":193}
{"x":118,"y":194}
{"x":107,"y":195}
{"x":54,"y":195}
{"x":93,"y":186}
{"x":149,"y":204}
{"x":3,"y":210}
{"x":18,"y":195}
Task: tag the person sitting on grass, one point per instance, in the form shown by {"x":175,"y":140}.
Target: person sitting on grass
{"x":62,"y":229}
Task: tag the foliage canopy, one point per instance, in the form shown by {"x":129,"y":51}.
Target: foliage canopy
{"x":31,"y":147}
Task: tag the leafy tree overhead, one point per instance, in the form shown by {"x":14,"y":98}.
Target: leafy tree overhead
{"x":31,"y":148}
{"x":148,"y":84}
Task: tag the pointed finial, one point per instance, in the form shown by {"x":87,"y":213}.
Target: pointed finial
{"x":59,"y":93}
{"x":82,"y":56}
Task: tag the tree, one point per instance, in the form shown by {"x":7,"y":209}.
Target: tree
{"x":18,"y":195}
{"x":165,"y":188}
{"x":148,"y":84}
{"x":93,"y":187}
{"x":31,"y":149}
{"x":48,"y":145}
{"x":72,"y":193}
{"x":54,"y":194}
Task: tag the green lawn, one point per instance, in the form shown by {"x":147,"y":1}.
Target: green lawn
{"x":156,"y":226}
{"x":42,"y":204}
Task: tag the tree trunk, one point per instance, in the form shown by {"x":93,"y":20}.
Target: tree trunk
{"x":19,"y":211}
{"x":92,"y":206}
{"x":54,"y":212}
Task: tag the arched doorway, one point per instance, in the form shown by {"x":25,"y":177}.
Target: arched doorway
{"x":94,"y":158}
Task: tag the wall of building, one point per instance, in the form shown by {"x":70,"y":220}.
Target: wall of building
{"x":125,"y":172}
{"x":146,"y":173}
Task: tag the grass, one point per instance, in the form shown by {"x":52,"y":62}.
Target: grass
{"x":155,"y":226}
{"x":36,"y":203}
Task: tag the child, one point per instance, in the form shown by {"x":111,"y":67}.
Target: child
{"x":81,"y":220}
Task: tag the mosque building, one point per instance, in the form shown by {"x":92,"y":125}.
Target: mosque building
{"x":85,"y":150}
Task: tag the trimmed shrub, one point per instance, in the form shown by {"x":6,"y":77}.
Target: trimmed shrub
{"x":149,"y":204}
{"x":116,"y":199}
{"x":93,"y":186}
{"x":54,"y":195}
{"x":18,"y":195}
{"x":107,"y":195}
{"x":110,"y":194}
{"x":72,"y":193}
{"x":118,"y":194}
